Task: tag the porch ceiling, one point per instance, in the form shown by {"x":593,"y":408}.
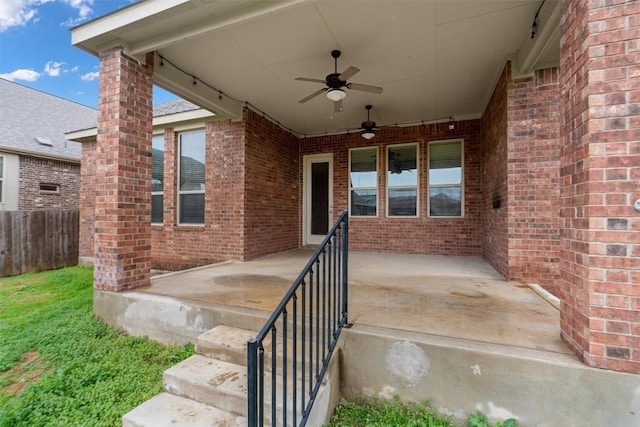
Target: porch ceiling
{"x":434,"y":58}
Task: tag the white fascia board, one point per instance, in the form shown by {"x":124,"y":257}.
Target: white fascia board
{"x":185,"y":116}
{"x":548,"y":24}
{"x":175,"y":81}
{"x":137,"y":12}
{"x":86,"y":135}
{"x":21,"y":152}
{"x":82,"y":135}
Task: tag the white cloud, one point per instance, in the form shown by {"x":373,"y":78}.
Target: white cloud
{"x":74,"y":69}
{"x":22,"y":74}
{"x":84,"y":8}
{"x":17,"y":13}
{"x":53,"y":68}
{"x":90,"y":76}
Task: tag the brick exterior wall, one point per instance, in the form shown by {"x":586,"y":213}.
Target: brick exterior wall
{"x":533,"y":110}
{"x":600,"y":180}
{"x":443,"y":236}
{"x":35,"y":171}
{"x":272,"y":191}
{"x":123,"y":173}
{"x":521,"y":189}
{"x":177,"y":246}
{"x":495,"y":245}
{"x":87,"y":202}
{"x":251,"y":196}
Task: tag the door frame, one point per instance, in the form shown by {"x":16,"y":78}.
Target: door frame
{"x":308,"y":160}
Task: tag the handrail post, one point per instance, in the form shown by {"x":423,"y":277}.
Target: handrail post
{"x":345,"y":269}
{"x":322,"y":277}
{"x":252,"y":382}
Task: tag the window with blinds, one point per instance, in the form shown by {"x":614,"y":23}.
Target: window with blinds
{"x":363,"y":181}
{"x":157,"y":179}
{"x":191,"y":180}
{"x":446,"y":185}
{"x":402,"y":180}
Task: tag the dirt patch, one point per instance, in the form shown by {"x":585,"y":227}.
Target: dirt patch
{"x":26,"y":372}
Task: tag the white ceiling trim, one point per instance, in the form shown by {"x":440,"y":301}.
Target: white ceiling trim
{"x":547,"y":33}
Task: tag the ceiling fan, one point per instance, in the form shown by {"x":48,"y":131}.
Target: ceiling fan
{"x":368,"y":127}
{"x":336,"y":82}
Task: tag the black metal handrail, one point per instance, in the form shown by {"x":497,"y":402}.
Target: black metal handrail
{"x":317,"y":302}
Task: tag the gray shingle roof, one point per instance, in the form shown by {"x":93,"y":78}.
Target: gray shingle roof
{"x":27,"y":114}
{"x":178,"y":105}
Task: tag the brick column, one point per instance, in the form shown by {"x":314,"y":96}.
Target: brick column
{"x":123,"y":173}
{"x":600,"y":180}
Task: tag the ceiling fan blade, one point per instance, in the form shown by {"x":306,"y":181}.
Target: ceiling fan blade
{"x":337,"y":106}
{"x":313,"y":95}
{"x":348,"y":73}
{"x":365,"y":88}
{"x":306,"y":79}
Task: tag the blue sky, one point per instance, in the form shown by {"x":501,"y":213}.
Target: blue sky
{"x":36,"y":50}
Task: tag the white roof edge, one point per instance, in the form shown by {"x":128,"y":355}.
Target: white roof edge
{"x":183,"y":116}
{"x":85,"y":135}
{"x":14,"y":150}
{"x":120,"y":18}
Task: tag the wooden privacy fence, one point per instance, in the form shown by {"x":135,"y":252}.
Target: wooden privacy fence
{"x":37,"y":240}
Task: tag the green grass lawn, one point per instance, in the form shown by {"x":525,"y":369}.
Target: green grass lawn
{"x":60,"y":366}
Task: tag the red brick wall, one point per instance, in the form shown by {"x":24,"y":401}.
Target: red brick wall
{"x":222,"y":236}
{"x":444,"y":236}
{"x":520,"y":179}
{"x":495,"y":245}
{"x":272,"y":190}
{"x":533,"y":111}
{"x":123,"y":173}
{"x":87,"y":201}
{"x":34,"y":171}
{"x":600,"y":180}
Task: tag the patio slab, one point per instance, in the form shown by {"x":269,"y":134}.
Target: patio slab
{"x":455,"y":297}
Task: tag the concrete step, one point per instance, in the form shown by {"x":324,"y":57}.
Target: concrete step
{"x":221,"y":384}
{"x":169,"y":410}
{"x":225,"y":343}
{"x":230,"y":345}
{"x":209,"y":381}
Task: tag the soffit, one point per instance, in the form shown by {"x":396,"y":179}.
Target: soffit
{"x":434,"y":58}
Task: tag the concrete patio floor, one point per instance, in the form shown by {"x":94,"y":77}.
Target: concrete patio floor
{"x":455,"y":297}
{"x":447,"y":329}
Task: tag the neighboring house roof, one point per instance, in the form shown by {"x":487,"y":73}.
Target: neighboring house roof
{"x":34,"y":122}
{"x":175,"y":106}
{"x":174,"y":111}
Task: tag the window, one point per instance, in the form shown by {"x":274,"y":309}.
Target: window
{"x":363,"y":181}
{"x":49,"y":188}
{"x":157,"y":179}
{"x":1,"y":178}
{"x":445,"y":178}
{"x":402,"y":180}
{"x":191,"y":178}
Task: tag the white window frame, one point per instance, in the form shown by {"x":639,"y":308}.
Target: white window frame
{"x":404,"y":187}
{"x":461,"y":185}
{"x":181,"y":192}
{"x":159,"y":193}
{"x":351,"y":187}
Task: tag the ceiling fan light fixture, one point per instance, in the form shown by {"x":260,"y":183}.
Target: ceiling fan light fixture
{"x":336,"y":94}
{"x":368,"y":134}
